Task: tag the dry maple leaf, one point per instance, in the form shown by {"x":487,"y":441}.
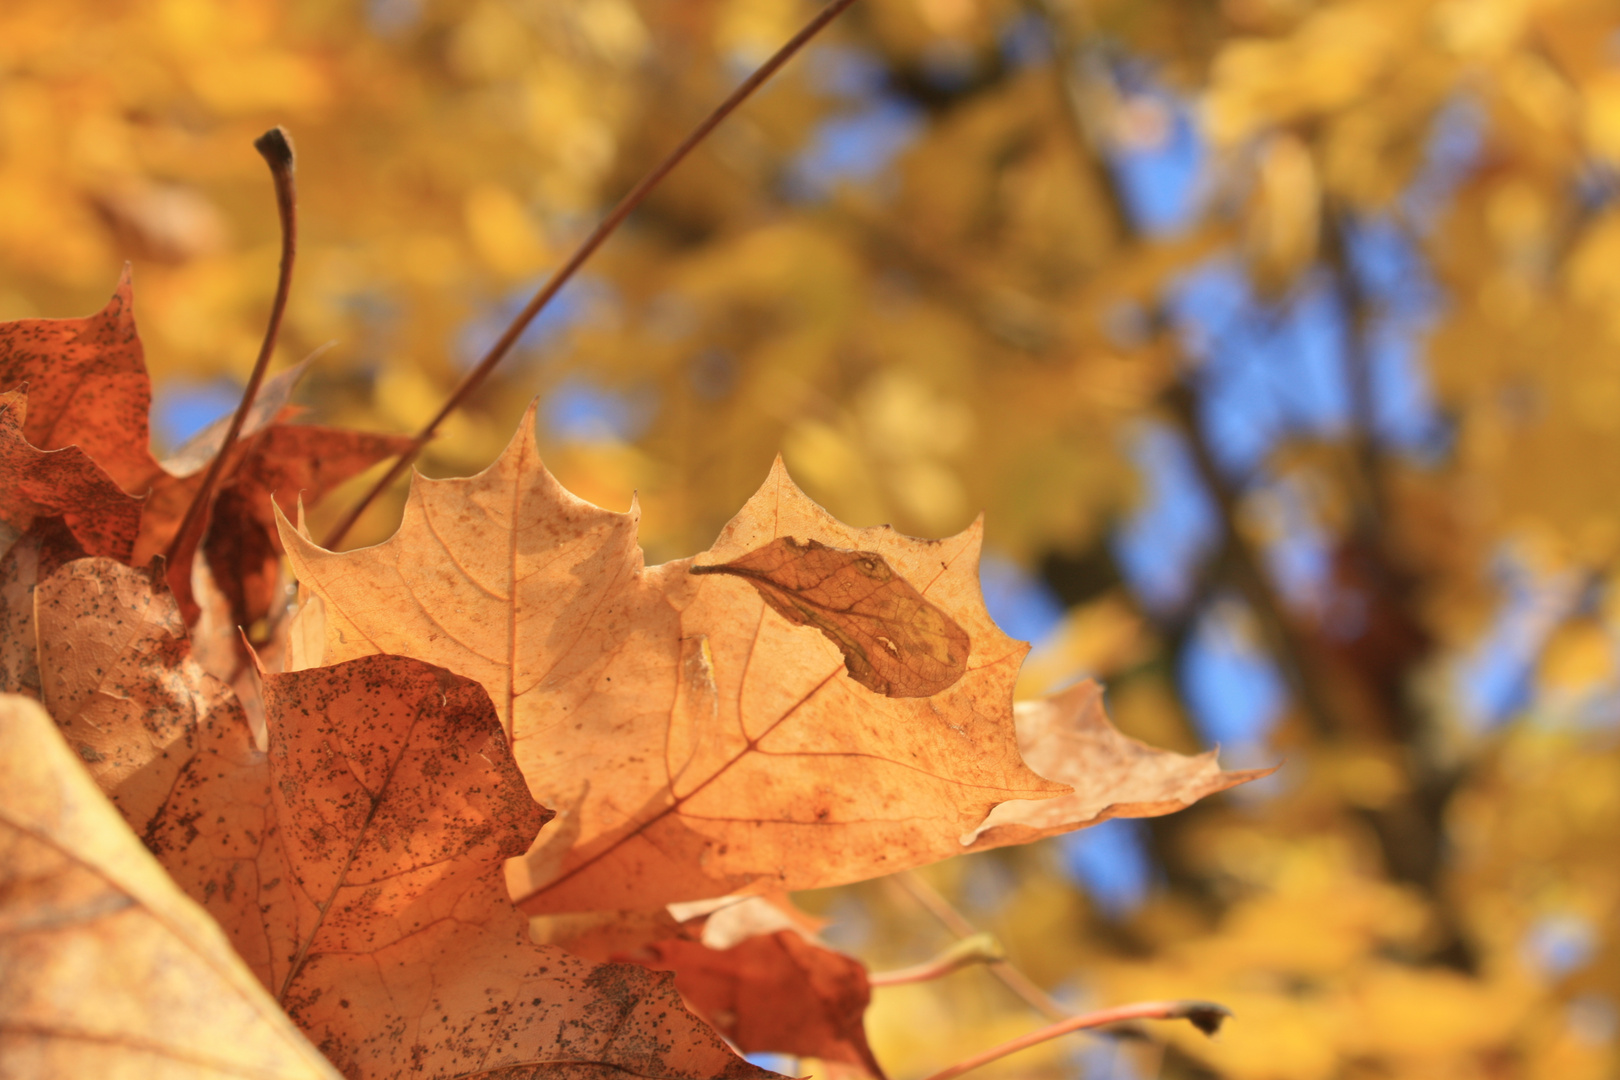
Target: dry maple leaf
{"x":357,"y":868}
{"x":696,"y":742}
{"x":1068,"y":737}
{"x":767,"y":995}
{"x":106,"y":968}
{"x":287,"y":462}
{"x":63,"y":483}
{"x":272,"y":458}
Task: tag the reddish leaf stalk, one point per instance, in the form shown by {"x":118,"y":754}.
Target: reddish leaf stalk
{"x":1206,"y":1016}
{"x":979,"y":949}
{"x":277,"y":152}
{"x":598,"y":236}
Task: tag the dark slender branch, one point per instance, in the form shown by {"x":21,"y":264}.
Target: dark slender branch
{"x":277,"y":152}
{"x":1280,"y":638}
{"x":1369,"y":459}
{"x":1206,"y":1016}
{"x":615,"y":218}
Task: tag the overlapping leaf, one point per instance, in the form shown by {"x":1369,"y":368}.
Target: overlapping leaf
{"x":696,"y":742}
{"x":775,"y":993}
{"x":118,"y":678}
{"x":106,"y":968}
{"x":31,"y":557}
{"x":87,"y":386}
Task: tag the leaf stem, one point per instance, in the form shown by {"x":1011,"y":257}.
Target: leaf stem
{"x":497,"y":352}
{"x":981,"y":948}
{"x":942,"y":909}
{"x":1207,"y":1016}
{"x":277,"y":151}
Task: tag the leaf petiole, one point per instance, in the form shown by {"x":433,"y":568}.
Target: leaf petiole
{"x":981,"y":948}
{"x":277,"y":152}
{"x":1206,"y":1016}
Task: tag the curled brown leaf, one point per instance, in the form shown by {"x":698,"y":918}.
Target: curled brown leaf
{"x":87,"y":386}
{"x":119,"y":679}
{"x":894,"y":641}
{"x":775,"y":993}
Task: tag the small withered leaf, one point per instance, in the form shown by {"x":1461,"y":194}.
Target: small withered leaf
{"x":87,"y":386}
{"x":63,"y":483}
{"x":894,"y":641}
{"x":776,"y":993}
{"x":117,"y":674}
{"x":1068,"y":737}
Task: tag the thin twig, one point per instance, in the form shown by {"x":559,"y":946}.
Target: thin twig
{"x":615,"y":218}
{"x":1207,"y":1016}
{"x":954,"y":921}
{"x":277,"y":152}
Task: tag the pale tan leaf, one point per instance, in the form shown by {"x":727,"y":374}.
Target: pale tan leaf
{"x":106,"y":969}
{"x":1068,"y":737}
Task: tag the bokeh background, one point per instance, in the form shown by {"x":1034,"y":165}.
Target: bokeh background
{"x":1278,"y":341}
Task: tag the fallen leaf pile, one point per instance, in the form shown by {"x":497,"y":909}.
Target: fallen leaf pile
{"x":498,"y":799}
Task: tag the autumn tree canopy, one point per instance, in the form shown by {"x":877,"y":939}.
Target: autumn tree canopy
{"x":1274,"y":341}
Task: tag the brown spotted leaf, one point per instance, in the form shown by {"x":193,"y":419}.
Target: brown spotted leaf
{"x":694,"y":742}
{"x":106,"y":968}
{"x":775,"y":993}
{"x":63,"y":483}
{"x":357,"y":868}
{"x":1068,"y":737}
{"x":894,"y":641}
{"x":87,"y":386}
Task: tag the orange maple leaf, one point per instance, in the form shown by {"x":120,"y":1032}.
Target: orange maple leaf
{"x":775,"y":993}
{"x":87,"y":386}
